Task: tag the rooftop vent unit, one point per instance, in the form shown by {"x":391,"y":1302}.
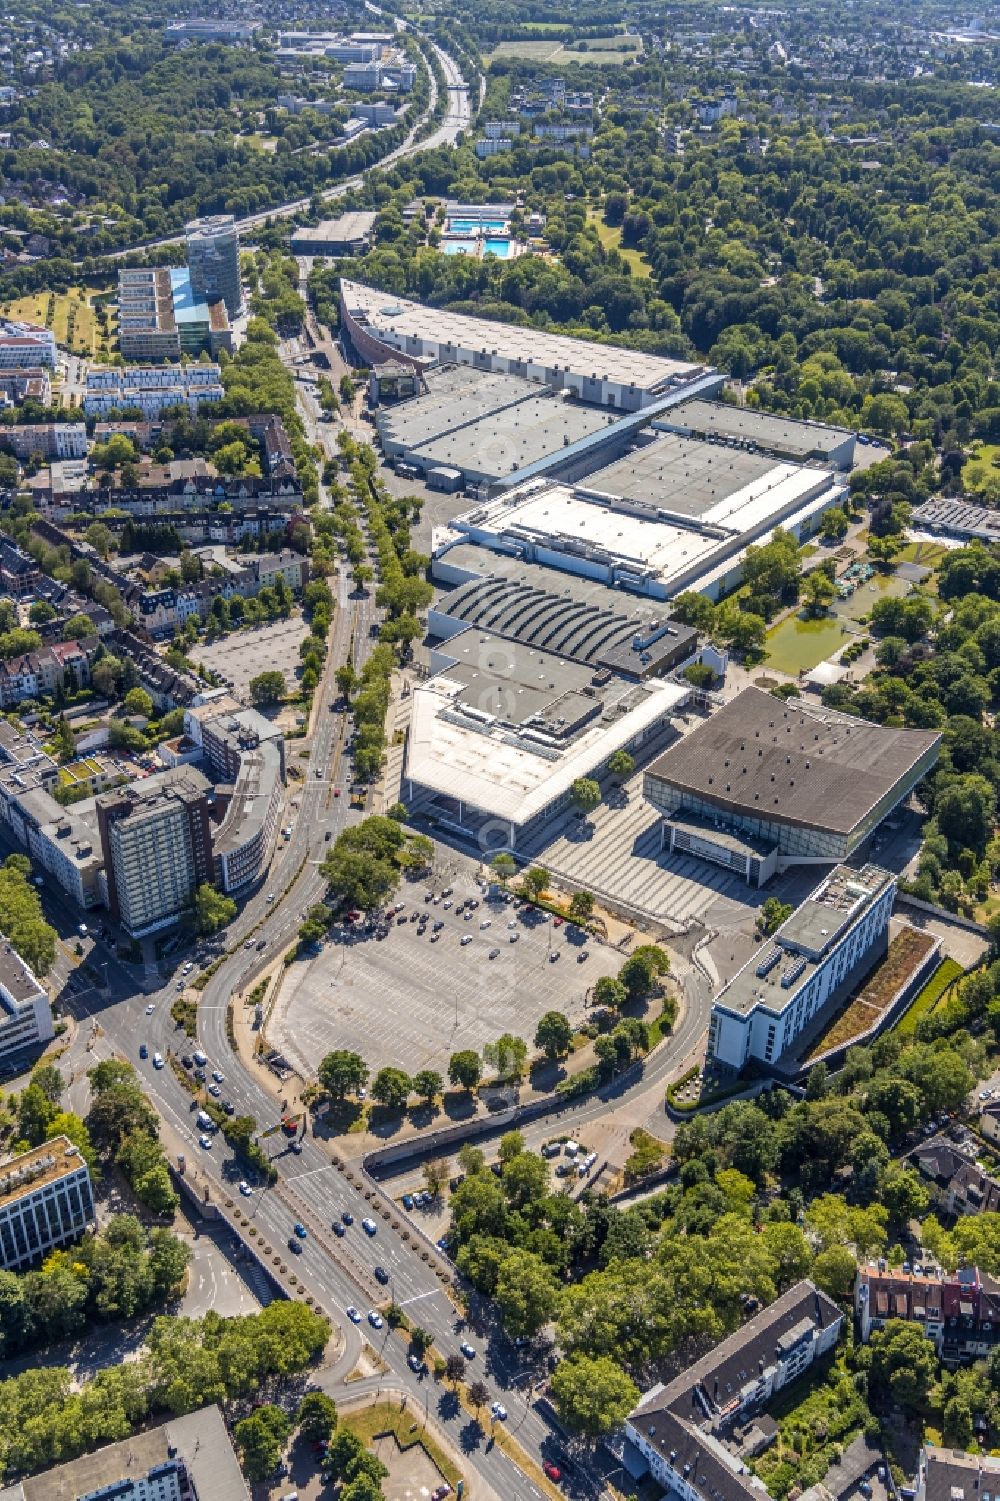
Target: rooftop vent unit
{"x":790,"y":976}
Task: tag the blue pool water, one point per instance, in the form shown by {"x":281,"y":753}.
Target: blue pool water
{"x":458,"y":247}
{"x":499,"y":248}
{"x":475,"y":226}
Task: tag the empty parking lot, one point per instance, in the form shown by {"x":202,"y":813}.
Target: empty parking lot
{"x":263,"y":648}
{"x":412,"y":1002}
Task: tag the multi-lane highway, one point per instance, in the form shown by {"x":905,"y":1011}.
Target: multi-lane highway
{"x":455,"y":121}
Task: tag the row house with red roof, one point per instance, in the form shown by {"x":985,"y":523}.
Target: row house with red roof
{"x":958,"y":1311}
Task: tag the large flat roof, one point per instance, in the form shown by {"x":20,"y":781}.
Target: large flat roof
{"x":403,"y":317}
{"x":247,"y":813}
{"x":354,"y":225}
{"x":505,"y":728}
{"x":786,"y":435}
{"x":683,"y":475}
{"x":15,"y":976}
{"x":455,"y":395}
{"x":559,"y":514}
{"x":38,"y":1167}
{"x":791,"y":763}
{"x":502,"y":442}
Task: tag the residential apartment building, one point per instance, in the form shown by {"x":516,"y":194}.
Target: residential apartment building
{"x":19,"y":573}
{"x":493,"y":146}
{"x":151,"y":389}
{"x":46,"y":1201}
{"x":959,"y":1184}
{"x":36,"y":674}
{"x":159,"y":611}
{"x":958,"y":1311}
{"x":29,"y":383}
{"x":213,"y":258}
{"x":682,"y":1431}
{"x":243,"y":841}
{"x":61,"y":841}
{"x":24,"y":345}
{"x":951,"y":1475}
{"x":227,"y":734}
{"x":190,"y":1458}
{"x":806,"y":968}
{"x":25,"y":1013}
{"x":53,"y":440}
{"x":157,"y":846}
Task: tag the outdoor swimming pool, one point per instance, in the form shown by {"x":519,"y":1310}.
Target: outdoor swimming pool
{"x":475,"y":226}
{"x":458,"y":247}
{"x":499,"y":248}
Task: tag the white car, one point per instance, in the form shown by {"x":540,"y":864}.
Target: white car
{"x":245,"y":1189}
{"x":466,"y":939}
{"x":375,"y":1319}
{"x":213,"y":1089}
{"x":513,"y":923}
{"x":486,"y":923}
{"x":369,"y":1227}
{"x":499,"y":1412}
{"x":353,"y":1315}
{"x":150,"y":1009}
{"x":157,"y":1060}
{"x":206,"y":1142}
{"x":218,"y":1075}
{"x":467,"y":1350}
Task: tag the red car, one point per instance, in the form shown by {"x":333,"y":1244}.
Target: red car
{"x":557,"y":922}
{"x":552,"y":1471}
{"x":336,"y":791}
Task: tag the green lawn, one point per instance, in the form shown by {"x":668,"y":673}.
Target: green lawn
{"x":604,"y":52}
{"x":985,"y":466}
{"x":407,"y":1429}
{"x":926,"y":999}
{"x":611,"y":238}
{"x":928,"y":554}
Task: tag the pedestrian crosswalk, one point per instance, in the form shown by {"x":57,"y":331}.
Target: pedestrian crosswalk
{"x":619,"y":857}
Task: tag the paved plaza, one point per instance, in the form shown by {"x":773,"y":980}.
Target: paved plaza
{"x":412,"y":1002}
{"x":615,"y":852}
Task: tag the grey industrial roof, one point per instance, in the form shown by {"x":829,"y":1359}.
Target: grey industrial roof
{"x":403,"y":318}
{"x":455,"y":396}
{"x":791,"y":763}
{"x":501,"y":442}
{"x":351,"y":226}
{"x":602,"y":634}
{"x":783,"y":435}
{"x":683,"y":475}
{"x":515,"y":683}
